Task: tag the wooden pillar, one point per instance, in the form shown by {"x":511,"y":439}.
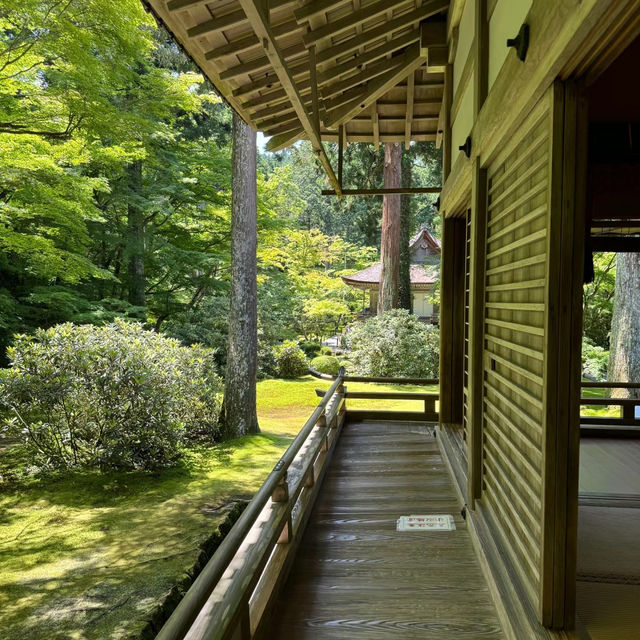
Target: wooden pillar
{"x":452,"y":320}
{"x":476,"y":329}
{"x":390,"y":241}
{"x":563,"y":362}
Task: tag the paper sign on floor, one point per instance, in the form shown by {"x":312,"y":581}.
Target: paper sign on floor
{"x":425,"y":523}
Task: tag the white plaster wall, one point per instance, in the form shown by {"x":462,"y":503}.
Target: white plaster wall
{"x":505,"y":23}
{"x":463,"y":123}
{"x":466,"y":30}
{"x":421,"y":306}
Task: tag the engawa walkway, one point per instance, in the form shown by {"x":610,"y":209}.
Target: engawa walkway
{"x":354,"y":576}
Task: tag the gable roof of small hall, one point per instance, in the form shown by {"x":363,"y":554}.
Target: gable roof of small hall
{"x":422,"y":276}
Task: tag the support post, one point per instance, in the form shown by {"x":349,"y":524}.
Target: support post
{"x":476,"y":329}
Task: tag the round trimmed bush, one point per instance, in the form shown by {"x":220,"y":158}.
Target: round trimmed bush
{"x":113,"y":397}
{"x":311,"y":349}
{"x":395,"y":344}
{"x":290,"y":360}
{"x":326,"y":351}
{"x":326,"y":364}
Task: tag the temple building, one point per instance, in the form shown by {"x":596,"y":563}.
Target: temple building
{"x":424,"y":271}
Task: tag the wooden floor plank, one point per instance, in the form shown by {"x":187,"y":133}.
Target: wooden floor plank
{"x":355,"y":576}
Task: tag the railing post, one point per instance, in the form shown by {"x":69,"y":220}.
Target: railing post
{"x":281,"y":494}
{"x":628,"y":411}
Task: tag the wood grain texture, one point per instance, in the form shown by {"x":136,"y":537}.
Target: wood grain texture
{"x":356,"y":576}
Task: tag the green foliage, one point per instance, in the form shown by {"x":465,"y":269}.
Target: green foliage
{"x":395,"y":344}
{"x":115,"y":396}
{"x":290,"y":361}
{"x":595,"y":361}
{"x":326,"y":364}
{"x":311,"y":348}
{"x":597,"y":300}
{"x":326,"y":351}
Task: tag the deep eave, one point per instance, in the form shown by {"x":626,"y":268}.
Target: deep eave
{"x":372,"y":70}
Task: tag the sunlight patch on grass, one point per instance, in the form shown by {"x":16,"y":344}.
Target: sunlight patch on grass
{"x":86,"y":555}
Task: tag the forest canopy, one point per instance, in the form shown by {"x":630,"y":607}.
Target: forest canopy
{"x":115,"y":182}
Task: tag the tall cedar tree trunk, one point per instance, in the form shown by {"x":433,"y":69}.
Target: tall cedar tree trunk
{"x":390,"y":241}
{"x":624,"y":356}
{"x":137,"y":282}
{"x":239,"y":414}
{"x":404,"y":291}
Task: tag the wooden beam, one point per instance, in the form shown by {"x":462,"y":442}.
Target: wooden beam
{"x":433,"y":33}
{"x":178,"y":5}
{"x":409,"y":116}
{"x":271,"y":80}
{"x":616,"y":244}
{"x":332,"y":136}
{"x":260,"y":23}
{"x":375,"y":89}
{"x":481,"y":52}
{"x":477,"y":283}
{"x":315,"y":105}
{"x":250,"y":41}
{"x":353,"y":19}
{"x":283,"y":140}
{"x":376,"y":126}
{"x":363,"y":76}
{"x":382,"y":192}
{"x":341,"y":137}
{"x":437,"y":59}
{"x":359,"y":61}
{"x":312,"y":9}
{"x":262,"y":62}
{"x":430,"y":8}
{"x":218,"y":23}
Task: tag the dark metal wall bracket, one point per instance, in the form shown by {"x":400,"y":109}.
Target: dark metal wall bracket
{"x":466,"y":147}
{"x":521,"y":42}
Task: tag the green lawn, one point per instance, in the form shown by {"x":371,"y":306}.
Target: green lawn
{"x":597,"y":410}
{"x":87,"y":555}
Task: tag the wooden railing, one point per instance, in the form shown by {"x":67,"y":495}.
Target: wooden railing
{"x":236,"y":587}
{"x":430,"y":400}
{"x":626,"y":424}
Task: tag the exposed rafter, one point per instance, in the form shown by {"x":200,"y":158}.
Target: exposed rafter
{"x":305,"y":71}
{"x":260,"y":23}
{"x":403,"y":66}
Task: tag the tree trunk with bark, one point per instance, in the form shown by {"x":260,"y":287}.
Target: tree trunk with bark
{"x":239,"y":414}
{"x":404,"y":290}
{"x":624,"y":355}
{"x":137,"y":282}
{"x":390,"y":242}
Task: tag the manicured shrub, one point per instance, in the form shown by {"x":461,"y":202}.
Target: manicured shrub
{"x":395,"y":344}
{"x":347,"y":364}
{"x":115,"y":396}
{"x":326,"y":351}
{"x":311,"y":349}
{"x":267,"y":364}
{"x":290,"y":360}
{"x":595,"y":361}
{"x":326,"y":364}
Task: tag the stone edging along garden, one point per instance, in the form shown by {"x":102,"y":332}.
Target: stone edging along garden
{"x":164,"y":609}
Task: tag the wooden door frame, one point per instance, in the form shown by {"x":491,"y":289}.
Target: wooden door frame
{"x":452,"y":269}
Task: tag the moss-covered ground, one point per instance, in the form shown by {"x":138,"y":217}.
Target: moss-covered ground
{"x":86,"y":556}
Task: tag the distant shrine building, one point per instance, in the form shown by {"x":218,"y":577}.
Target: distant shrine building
{"x":424,"y":271}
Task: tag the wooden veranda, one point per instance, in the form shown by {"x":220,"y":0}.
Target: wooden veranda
{"x":316,"y":554}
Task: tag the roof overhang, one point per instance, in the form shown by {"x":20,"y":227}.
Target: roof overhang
{"x":328,"y":70}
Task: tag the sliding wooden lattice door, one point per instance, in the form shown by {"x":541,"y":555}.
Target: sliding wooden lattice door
{"x":523,"y":450}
